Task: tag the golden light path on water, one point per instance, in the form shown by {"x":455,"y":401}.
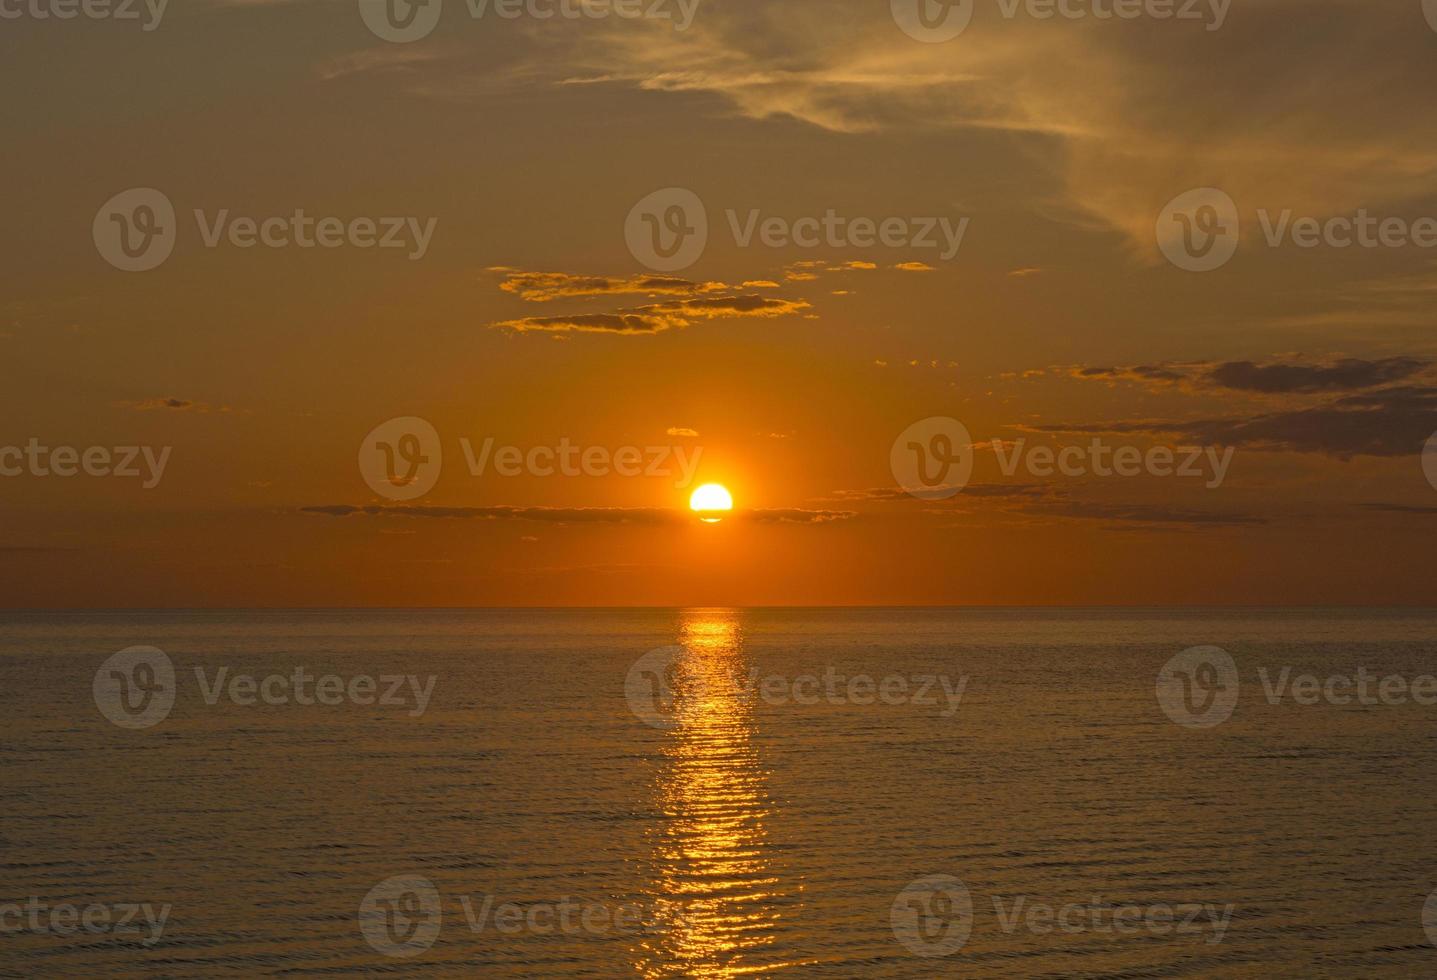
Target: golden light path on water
{"x":710,"y":861}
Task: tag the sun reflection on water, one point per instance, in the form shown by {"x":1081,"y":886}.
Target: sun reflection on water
{"x":710,"y":856}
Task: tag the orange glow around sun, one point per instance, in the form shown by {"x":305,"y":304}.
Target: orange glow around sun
{"x":710,"y":501}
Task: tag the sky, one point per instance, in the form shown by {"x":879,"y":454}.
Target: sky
{"x":873,"y":276}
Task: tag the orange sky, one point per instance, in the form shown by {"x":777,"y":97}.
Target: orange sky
{"x":520,"y":310}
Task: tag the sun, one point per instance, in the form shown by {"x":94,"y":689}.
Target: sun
{"x":709,"y":500}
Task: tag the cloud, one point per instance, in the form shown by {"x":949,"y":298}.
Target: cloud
{"x":1041,"y":500}
{"x":648,"y":516}
{"x":1348,"y":374}
{"x":172,"y":405}
{"x":389,"y":58}
{"x":678,"y":430}
{"x":549,"y":515}
{"x":1113,"y":141}
{"x":1148,"y":375}
{"x":1160,"y":516}
{"x":983,"y":490}
{"x":1401,"y":508}
{"x":543,"y":287}
{"x":576,"y":515}
{"x":1390,"y":422}
{"x":914,"y":267}
{"x":794,"y":515}
{"x":658,"y":317}
{"x":1272,"y":378}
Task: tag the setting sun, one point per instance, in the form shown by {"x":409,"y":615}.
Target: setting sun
{"x":709,"y":499}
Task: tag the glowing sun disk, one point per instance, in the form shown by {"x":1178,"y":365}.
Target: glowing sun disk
{"x":710,"y":499}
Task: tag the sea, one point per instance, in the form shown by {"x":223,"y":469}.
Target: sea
{"x":720,"y":792}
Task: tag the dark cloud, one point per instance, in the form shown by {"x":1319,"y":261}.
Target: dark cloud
{"x":1152,"y":515}
{"x":1392,"y":422}
{"x":658,"y":317}
{"x":576,"y":515}
{"x":1152,"y":374}
{"x":171,"y":405}
{"x":795,"y":515}
{"x":1000,"y":490}
{"x":551,"y":515}
{"x":1348,"y":374}
{"x":1400,"y":508}
{"x":541,"y":287}
{"x":1272,"y":378}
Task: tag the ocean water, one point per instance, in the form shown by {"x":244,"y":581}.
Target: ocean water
{"x":718,"y":793}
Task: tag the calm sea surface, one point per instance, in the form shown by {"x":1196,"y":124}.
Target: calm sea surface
{"x":537,"y":794}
